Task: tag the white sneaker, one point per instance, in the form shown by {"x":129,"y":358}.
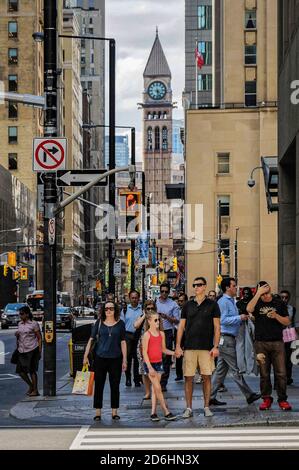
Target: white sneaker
{"x":207,"y":412}
{"x":188,"y":413}
{"x":199,"y":380}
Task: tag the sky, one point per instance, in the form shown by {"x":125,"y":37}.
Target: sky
{"x":133,"y":25}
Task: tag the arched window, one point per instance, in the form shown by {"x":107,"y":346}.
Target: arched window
{"x":150,"y":139}
{"x":165,"y":114}
{"x":149,"y":116}
{"x":157,"y":138}
{"x":164,"y":138}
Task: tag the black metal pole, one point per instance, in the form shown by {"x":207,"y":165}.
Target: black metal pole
{"x":50,"y":197}
{"x":111,"y":160}
{"x":133,"y":161}
{"x":143,"y":228}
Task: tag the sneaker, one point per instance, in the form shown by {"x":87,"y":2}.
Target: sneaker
{"x":222,"y":388}
{"x":170,"y":417}
{"x":155,"y":417}
{"x":253,"y":397}
{"x":266,"y":405}
{"x":199,"y":380}
{"x":188,"y":413}
{"x":215,"y":402}
{"x":207,"y":412}
{"x":285,"y":406}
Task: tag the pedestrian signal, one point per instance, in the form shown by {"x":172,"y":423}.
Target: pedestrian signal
{"x":12,"y":259}
{"x":15,"y":275}
{"x":222,"y":258}
{"x":175,"y":264}
{"x":219,"y":279}
{"x":24,"y":274}
{"x":5,"y":270}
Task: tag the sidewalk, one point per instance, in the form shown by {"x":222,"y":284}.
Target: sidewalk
{"x":70,"y":409}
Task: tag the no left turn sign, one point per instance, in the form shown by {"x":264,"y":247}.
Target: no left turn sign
{"x":49,"y":154}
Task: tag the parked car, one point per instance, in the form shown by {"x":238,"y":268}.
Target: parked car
{"x":10,"y":315}
{"x":64,"y":317}
{"x":84,"y":311}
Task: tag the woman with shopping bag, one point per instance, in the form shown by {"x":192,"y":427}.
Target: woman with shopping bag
{"x":110,"y":351}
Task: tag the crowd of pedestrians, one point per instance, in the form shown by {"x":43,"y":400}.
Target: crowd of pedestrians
{"x":209,"y":334}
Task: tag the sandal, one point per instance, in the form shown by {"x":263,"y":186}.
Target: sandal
{"x":115,"y":417}
{"x":146,"y":398}
{"x":33,"y":394}
{"x":97,"y":418}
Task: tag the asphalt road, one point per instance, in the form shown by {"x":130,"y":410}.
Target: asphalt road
{"x":12,"y":388}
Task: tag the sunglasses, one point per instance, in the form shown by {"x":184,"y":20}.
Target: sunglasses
{"x":164,"y":291}
{"x":150,"y":309}
{"x":108,"y":308}
{"x":198,"y":285}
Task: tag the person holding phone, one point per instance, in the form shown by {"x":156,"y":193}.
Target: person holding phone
{"x":270,"y":315}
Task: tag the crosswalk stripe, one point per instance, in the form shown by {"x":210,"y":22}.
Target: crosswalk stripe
{"x":180,"y":439}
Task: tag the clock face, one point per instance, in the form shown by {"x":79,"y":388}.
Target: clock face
{"x":157,"y":90}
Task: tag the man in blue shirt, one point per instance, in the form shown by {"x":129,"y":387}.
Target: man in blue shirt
{"x":170,"y":313}
{"x":134,"y":311}
{"x":230,"y":324}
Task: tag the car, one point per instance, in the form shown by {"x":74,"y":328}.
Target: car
{"x":84,"y":311}
{"x":64,"y":317}
{"x":10,"y":315}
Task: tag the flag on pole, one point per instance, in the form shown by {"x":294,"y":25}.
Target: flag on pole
{"x":199,"y":58}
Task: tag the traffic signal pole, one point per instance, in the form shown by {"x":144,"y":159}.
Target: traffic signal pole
{"x":50,"y":197}
{"x":133,"y":161}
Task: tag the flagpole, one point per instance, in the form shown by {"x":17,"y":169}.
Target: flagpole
{"x":196,"y":74}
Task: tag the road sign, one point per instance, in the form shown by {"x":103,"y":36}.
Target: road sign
{"x":117,"y":267}
{"x":49,"y":154}
{"x":51,"y":231}
{"x":79,"y":177}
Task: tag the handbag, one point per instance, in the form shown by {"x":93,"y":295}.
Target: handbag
{"x":94,"y":343}
{"x":15,"y":357}
{"x":289,"y":335}
{"x":84,"y":382}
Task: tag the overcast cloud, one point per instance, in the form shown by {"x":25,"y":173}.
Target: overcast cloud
{"x":133,"y":24}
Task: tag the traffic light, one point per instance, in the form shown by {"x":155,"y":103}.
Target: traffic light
{"x":131,"y":212}
{"x":222,"y":258}
{"x":161,"y":265}
{"x":219,"y":279}
{"x":98,"y":285}
{"x":24,"y":274}
{"x":15,"y":275}
{"x":5,"y":270}
{"x":12,"y":259}
{"x":175,"y":264}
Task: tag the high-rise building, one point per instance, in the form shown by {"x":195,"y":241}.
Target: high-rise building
{"x":19,"y":57}
{"x":233,"y":125}
{"x":177,"y":144}
{"x":122,"y":155}
{"x":288,"y":148}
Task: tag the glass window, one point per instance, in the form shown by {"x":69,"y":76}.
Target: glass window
{"x":12,"y":161}
{"x":83,"y":43}
{"x":224,"y":206}
{"x":89,"y":85}
{"x":92,"y":58}
{"x":83,"y":59}
{"x":205,"y":17}
{"x":250,"y":19}
{"x":12,"y":29}
{"x":165,"y":138}
{"x":12,"y":83}
{"x":12,"y":56}
{"x":157,"y":138}
{"x":13,"y":5}
{"x":205,"y":82}
{"x":12,"y":110}
{"x":250,"y":93}
{"x":83,"y":71}
{"x":250,"y":55}
{"x":12,"y":135}
{"x":225,"y":247}
{"x":223,"y":163}
{"x":150,"y":139}
{"x":205,"y":47}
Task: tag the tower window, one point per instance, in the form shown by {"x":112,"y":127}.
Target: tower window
{"x":150,"y":139}
{"x":205,"y":47}
{"x":250,"y":55}
{"x":157,"y":138}
{"x":222,"y":163}
{"x":205,"y":17}
{"x":13,"y":5}
{"x":164,"y":138}
{"x":250,"y":19}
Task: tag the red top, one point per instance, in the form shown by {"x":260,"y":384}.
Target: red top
{"x":154,"y":349}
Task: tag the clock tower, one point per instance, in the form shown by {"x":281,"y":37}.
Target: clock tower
{"x":157,"y":118}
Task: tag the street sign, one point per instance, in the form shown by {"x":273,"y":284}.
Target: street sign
{"x":51,"y":231}
{"x":117,"y":267}
{"x":79,"y":177}
{"x":49,"y":154}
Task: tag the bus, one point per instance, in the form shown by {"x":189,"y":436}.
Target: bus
{"x":35,"y":301}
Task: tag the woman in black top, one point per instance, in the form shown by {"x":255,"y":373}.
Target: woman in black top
{"x":110,"y":356}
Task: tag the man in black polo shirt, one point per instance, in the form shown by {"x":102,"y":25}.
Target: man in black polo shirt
{"x":200,"y":319}
{"x":271,"y":317}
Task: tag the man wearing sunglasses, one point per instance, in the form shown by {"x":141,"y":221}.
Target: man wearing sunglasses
{"x":200,"y":319}
{"x":230,"y":326}
{"x":170,"y":313}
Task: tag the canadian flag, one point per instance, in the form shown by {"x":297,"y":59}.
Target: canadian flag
{"x":199,"y":58}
